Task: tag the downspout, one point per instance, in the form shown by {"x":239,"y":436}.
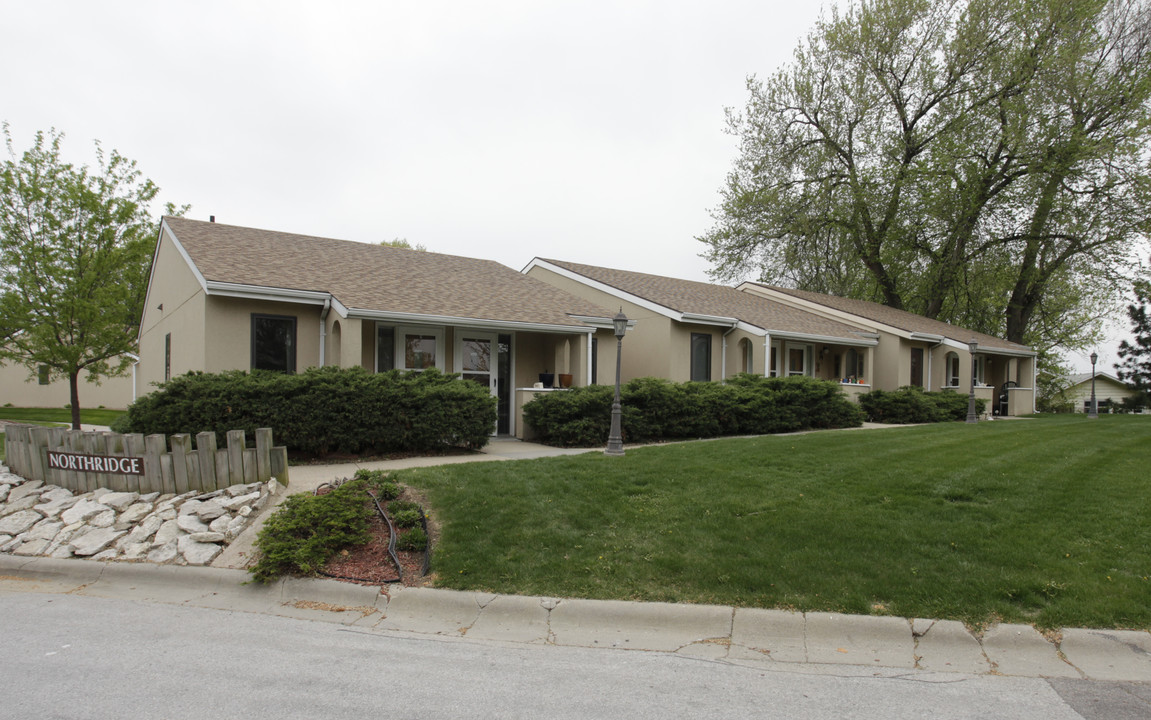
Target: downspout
{"x":587,"y":379}
{"x":324,"y":327}
{"x":723,"y":352}
{"x":767,"y":354}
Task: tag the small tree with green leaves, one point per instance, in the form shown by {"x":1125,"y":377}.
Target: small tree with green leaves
{"x":75,"y":248}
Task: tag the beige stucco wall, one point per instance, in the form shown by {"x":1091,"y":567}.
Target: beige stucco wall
{"x":175,"y":304}
{"x":21,"y":388}
{"x":229,"y":344}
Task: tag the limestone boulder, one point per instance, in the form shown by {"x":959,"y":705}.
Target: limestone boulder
{"x":197,"y":553}
{"x":94,"y":541}
{"x":119,"y":501}
{"x":19,"y":522}
{"x":191,"y":524}
{"x":83,"y":510}
{"x":32,"y":487}
{"x":165,"y":553}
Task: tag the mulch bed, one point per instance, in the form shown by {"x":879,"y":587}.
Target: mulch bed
{"x":370,"y":564}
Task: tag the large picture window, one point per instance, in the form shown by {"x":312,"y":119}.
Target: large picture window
{"x":274,"y":343}
{"x":700,"y":357}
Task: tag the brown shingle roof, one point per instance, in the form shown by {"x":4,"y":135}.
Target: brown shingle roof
{"x":900,"y":319}
{"x":376,"y":278}
{"x":689,"y":296}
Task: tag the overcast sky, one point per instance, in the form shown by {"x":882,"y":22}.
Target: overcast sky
{"x":505,"y":129}
{"x":586,"y":131}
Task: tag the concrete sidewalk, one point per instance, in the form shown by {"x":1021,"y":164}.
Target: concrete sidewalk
{"x":888,"y":646}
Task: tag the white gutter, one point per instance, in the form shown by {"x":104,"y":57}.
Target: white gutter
{"x":826,"y":339}
{"x":260,"y":292}
{"x":417,"y":319}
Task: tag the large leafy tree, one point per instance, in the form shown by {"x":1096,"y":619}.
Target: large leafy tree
{"x":982,"y":162}
{"x":75,"y":246}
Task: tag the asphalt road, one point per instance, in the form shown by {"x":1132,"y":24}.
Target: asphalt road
{"x":69,"y":656}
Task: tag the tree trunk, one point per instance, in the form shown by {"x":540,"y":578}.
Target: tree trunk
{"x":74,"y":389}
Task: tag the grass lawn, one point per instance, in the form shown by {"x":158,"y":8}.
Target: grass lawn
{"x":55,"y":416}
{"x":1046,"y":521}
{"x":42,"y":416}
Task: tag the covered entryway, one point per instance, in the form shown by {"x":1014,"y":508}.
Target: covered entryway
{"x":485,"y":358}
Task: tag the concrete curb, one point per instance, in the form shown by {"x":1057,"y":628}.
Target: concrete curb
{"x":739,"y":635}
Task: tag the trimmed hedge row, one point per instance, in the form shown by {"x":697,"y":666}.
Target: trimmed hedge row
{"x":655,"y":409}
{"x":910,"y":404}
{"x":323,"y":410}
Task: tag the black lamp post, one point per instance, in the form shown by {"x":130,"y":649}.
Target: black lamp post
{"x":971,"y":416}
{"x":615,"y":438}
{"x":1094,"y":411}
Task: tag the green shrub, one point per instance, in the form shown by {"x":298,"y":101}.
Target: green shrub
{"x":910,"y":404}
{"x":307,"y":529}
{"x":323,"y":410}
{"x":379,"y":483}
{"x":405,"y":514}
{"x":655,"y":410}
{"x":415,"y":540}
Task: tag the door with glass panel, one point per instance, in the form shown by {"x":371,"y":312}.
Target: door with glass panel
{"x":477,"y":360}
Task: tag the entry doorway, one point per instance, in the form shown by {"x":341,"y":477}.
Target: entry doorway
{"x":485,"y":359}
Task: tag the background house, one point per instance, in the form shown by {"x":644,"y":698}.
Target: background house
{"x":23,"y":388}
{"x":1109,"y":391}
{"x":695,"y":331}
{"x":701,"y":331}
{"x":222,"y":297}
{"x":926,"y":353}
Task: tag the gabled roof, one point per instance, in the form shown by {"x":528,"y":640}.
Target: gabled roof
{"x":1078,"y":378}
{"x":692,"y":301}
{"x":908,"y":322}
{"x":371,"y":280}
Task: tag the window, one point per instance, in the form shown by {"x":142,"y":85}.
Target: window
{"x":917,"y":367}
{"x":952,"y":369}
{"x":747,"y":358}
{"x":274,"y":343}
{"x":420,"y":350}
{"x":167,"y":357}
{"x":773,"y":364}
{"x":43,"y":374}
{"x":700,"y":357}
{"x":385,"y":348}
{"x":798,"y":358}
{"x":980,"y":370}
{"x":853,"y":367}
{"x":409,"y":348}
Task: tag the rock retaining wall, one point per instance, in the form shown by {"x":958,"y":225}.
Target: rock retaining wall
{"x":191,"y":528}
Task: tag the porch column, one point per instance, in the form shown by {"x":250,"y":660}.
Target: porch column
{"x":351,"y":342}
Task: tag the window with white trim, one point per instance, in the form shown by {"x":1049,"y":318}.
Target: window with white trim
{"x":799,"y":360}
{"x":951,"y":363}
{"x":410,"y":348}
